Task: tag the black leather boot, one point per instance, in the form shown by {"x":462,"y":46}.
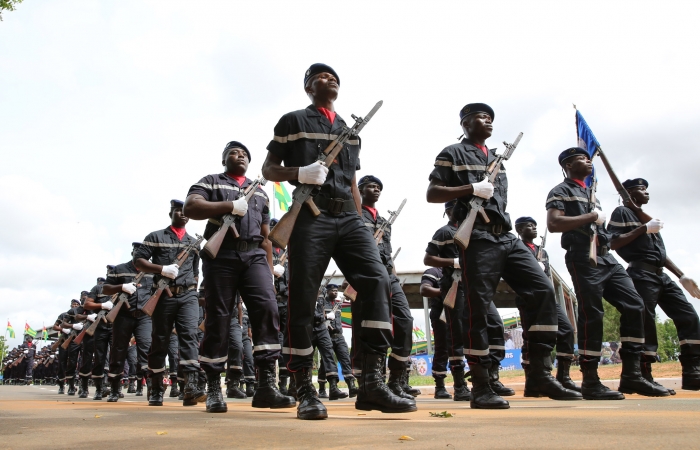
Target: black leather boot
{"x":193,"y":391}
{"x":374,"y":394}
{"x":83,"y":387}
{"x":98,"y":389}
{"x":71,"y":385}
{"x":407,"y":388}
{"x":645,"y":367}
{"x":691,"y":373}
{"x":334,"y":393}
{"x":461,"y":390}
{"x":528,"y":393}
{"x":181,"y":385}
{"x":174,"y":391}
{"x":105,"y":386}
{"x":292,"y":391}
{"x":496,"y":384}
{"x":592,"y":388}
{"x":440,"y":391}
{"x":309,"y":407}
{"x":482,"y":396}
{"x":394,"y":383}
{"x":632,"y":381}
{"x":322,"y":390}
{"x":540,"y":380}
{"x":267,"y":395}
{"x":149,"y":383}
{"x":61,"y":387}
{"x":249,"y":389}
{"x":233,"y":388}
{"x":352,"y":387}
{"x":156,"y":390}
{"x":215,"y":399}
{"x":132,"y":386}
{"x":139,"y":387}
{"x":116,"y":389}
{"x":563,"y":377}
{"x":283,"y":384}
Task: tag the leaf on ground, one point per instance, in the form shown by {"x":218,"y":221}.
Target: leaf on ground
{"x":161,"y":433}
{"x":97,"y":417}
{"x":361,"y":414}
{"x":443,"y":414}
{"x":406,"y":438}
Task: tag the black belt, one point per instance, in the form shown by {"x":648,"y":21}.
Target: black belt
{"x":496,"y":229}
{"x":136,"y":314}
{"x":602,"y":250}
{"x":334,"y":206}
{"x":641,"y":265}
{"x":241,"y":246}
{"x":177,"y":290}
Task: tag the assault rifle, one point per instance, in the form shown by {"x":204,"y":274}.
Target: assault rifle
{"x":350,"y":292}
{"x":336,"y":308}
{"x":464,"y":232}
{"x":164,"y":283}
{"x":100,"y":317}
{"x":540,"y":252}
{"x":123,"y":298}
{"x":304,"y":194}
{"x":213,"y":244}
{"x":379,"y":234}
{"x":283,"y":257}
{"x":593,"y":246}
{"x":626,"y":199}
{"x":326,"y":280}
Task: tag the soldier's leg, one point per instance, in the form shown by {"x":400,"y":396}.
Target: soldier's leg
{"x":163,"y":320}
{"x":142,"y":334}
{"x":102,"y":338}
{"x":325,"y":355}
{"x":86,"y":363}
{"x":402,"y":340}
{"x":71,"y":366}
{"x":173,"y":355}
{"x":121,"y":335}
{"x":283,"y":372}
{"x":439,"y":352}
{"x":248,"y":364}
{"x":497,"y":350}
{"x":187,"y":327}
{"x":342,"y":354}
{"x":234,"y":364}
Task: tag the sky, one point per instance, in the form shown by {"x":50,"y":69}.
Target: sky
{"x":109,"y":110}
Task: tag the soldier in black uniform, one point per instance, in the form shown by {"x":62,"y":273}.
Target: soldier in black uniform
{"x":248,"y":360}
{"x":641,"y":245}
{"x":29,"y":350}
{"x":370,"y":188}
{"x":430,"y":288}
{"x":87,"y":347}
{"x":61,"y":375}
{"x":243,"y":265}
{"x":526,"y":227}
{"x":338,"y":233}
{"x":161,"y":247}
{"x":281,"y":274}
{"x":173,"y":357}
{"x":340,"y":347}
{"x":494,"y":252}
{"x":97,"y":346}
{"x":234,"y":364}
{"x":322,"y":341}
{"x":570,"y":212}
{"x":130,"y":321}
{"x":71,"y":320}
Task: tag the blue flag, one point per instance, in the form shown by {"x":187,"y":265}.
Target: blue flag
{"x":587,"y":141}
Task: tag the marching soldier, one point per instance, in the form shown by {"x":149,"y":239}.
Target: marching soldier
{"x":157,"y":255}
{"x":325,"y":319}
{"x":430,"y":288}
{"x":71,"y":320}
{"x":234,"y":364}
{"x":494,"y":252}
{"x":173,"y":358}
{"x":29,"y":351}
{"x":130,"y":321}
{"x":97,"y":346}
{"x":279,"y":270}
{"x":338,"y":233}
{"x":243,"y":265}
{"x":526,"y":227}
{"x":570,"y":212}
{"x":641,"y":245}
{"x":340,"y":347}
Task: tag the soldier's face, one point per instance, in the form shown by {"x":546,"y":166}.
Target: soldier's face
{"x":179,"y":220}
{"x":640,"y":195}
{"x":579,"y":165}
{"x":371,"y":192}
{"x":332,"y":293}
{"x":323,"y":85}
{"x":478,"y":125}
{"x":237,"y":161}
{"x":528,"y":230}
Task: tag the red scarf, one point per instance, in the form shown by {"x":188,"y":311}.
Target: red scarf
{"x":372,"y":211}
{"x":240,"y":180}
{"x":179,"y":232}
{"x":579,"y":182}
{"x":531,"y":245}
{"x":330,"y":115}
{"x":483,"y":148}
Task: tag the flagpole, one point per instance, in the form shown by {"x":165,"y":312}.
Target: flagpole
{"x":274,"y":200}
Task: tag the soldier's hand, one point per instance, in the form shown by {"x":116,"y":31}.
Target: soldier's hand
{"x":108,"y":305}
{"x":483,"y":189}
{"x":92,"y":317}
{"x":455,"y":264}
{"x":654,"y":226}
{"x":691,"y":286}
{"x":313,"y":174}
{"x":541,"y":265}
{"x":170,"y":271}
{"x":278,"y":270}
{"x":239,"y":207}
{"x":26,"y":352}
{"x":78,"y":326}
{"x":65,"y":330}
{"x":600,"y":220}
{"x":129,"y":288}
{"x":330,"y":316}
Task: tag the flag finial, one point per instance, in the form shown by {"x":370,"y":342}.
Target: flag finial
{"x":575,"y":106}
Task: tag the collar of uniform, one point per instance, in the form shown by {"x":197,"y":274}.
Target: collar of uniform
{"x":572,"y":183}
{"x":470,"y":147}
{"x":174,"y":237}
{"x":230,"y":181}
{"x":311,"y":111}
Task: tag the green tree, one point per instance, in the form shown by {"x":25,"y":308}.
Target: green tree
{"x":3,"y":348}
{"x":8,"y":5}
{"x":667,"y":336}
{"x":611,"y":323}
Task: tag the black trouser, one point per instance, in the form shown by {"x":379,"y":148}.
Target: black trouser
{"x":30,"y":367}
{"x":234,"y":364}
{"x":612,"y":282}
{"x":182,"y":312}
{"x":347,"y":240}
{"x":483,"y":264}
{"x":402,"y":322}
{"x":282,"y":309}
{"x":443,"y":342}
{"x":69,"y":360}
{"x":565,"y":335}
{"x":661,"y":290}
{"x":130,"y":369}
{"x":340,"y":347}
{"x":87,"y":347}
{"x":251,"y":277}
{"x":248,"y":366}
{"x":126,"y":325}
{"x":322,"y":341}
{"x":173,"y":355}
{"x":100,"y":344}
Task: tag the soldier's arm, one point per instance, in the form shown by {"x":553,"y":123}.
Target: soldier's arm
{"x":621,"y":240}
{"x":439,"y":193}
{"x":266,"y":243}
{"x":273,"y":169}
{"x":559,"y":222}
{"x":427,"y":290}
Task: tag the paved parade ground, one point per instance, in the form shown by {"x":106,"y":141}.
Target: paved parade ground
{"x":34,"y":416}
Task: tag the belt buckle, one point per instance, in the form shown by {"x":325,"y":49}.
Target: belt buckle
{"x":497,"y":229}
{"x":243,"y":246}
{"x":335,"y":206}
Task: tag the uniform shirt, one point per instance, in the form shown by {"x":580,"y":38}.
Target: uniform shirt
{"x":384,"y":246}
{"x":162,"y":247}
{"x":220,"y":188}
{"x":32,"y":349}
{"x":545,"y":258}
{"x":281,"y":283}
{"x":648,"y":248}
{"x":96,"y":296}
{"x":125,"y":273}
{"x":301,"y":136}
{"x":320,"y":314}
{"x":443,"y":246}
{"x":464,"y":163}
{"x":432,"y":278}
{"x":570,"y":197}
{"x":71,"y":313}
{"x":336,"y":324}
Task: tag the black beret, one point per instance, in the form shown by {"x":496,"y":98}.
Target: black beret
{"x":84,"y":292}
{"x":317,"y":68}
{"x":234,"y":144}
{"x":273,"y":222}
{"x":525,"y":220}
{"x":110,"y":267}
{"x":74,"y":301}
{"x":136,"y":244}
{"x":450,"y":204}
{"x":100,"y":279}
{"x":176,"y":204}
{"x":370,"y":179}
{"x":330,"y":286}
{"x":629,"y":184}
{"x":473,"y":108}
{"x":569,"y":152}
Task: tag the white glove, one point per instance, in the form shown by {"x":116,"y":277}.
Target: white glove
{"x":600,"y":220}
{"x":65,"y":330}
{"x":26,"y":352}
{"x":313,"y":174}
{"x":107,"y":305}
{"x":129,"y":288}
{"x":278,"y":270}
{"x":483,"y":189}
{"x":541,"y":265}
{"x":654,"y":226}
{"x":456,"y":264}
{"x":691,"y":286}
{"x":52,"y":356}
{"x":78,"y":326}
{"x":240,"y":207}
{"x":92,"y":317}
{"x":170,"y":271}
{"x":330,"y":316}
